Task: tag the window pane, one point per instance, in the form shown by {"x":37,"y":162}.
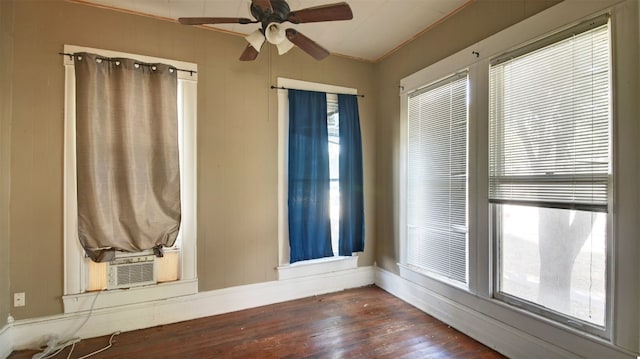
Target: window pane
{"x":555,"y":258}
{"x":437,"y":179}
{"x":333,"y":127}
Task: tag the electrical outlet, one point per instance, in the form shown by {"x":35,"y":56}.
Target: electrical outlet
{"x":18,"y":299}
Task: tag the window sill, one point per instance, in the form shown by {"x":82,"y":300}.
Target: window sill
{"x":426,"y":279}
{"x":116,"y":297}
{"x":316,"y":266}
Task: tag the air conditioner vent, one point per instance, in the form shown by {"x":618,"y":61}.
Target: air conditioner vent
{"x":132,"y":271}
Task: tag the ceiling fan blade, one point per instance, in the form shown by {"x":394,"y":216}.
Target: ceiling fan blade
{"x":249,"y":54}
{"x":330,"y":12}
{"x":307,"y":45}
{"x":264,"y":5}
{"x":213,"y":20}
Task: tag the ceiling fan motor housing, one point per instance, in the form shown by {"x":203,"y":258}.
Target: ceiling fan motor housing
{"x":279,"y":14}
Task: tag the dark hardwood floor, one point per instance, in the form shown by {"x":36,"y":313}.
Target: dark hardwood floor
{"x":357,"y":323}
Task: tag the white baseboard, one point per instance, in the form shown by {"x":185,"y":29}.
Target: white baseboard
{"x":506,"y":339}
{"x":119,"y":297}
{"x":6,"y":341}
{"x":31,"y":333}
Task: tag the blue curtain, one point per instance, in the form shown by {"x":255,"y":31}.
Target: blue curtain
{"x":309,"y":223}
{"x":350,"y":182}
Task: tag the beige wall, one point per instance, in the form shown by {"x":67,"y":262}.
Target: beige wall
{"x":6,"y":42}
{"x":237,"y":142}
{"x":475,"y":22}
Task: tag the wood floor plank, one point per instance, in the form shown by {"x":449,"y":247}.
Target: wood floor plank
{"x":357,"y":323}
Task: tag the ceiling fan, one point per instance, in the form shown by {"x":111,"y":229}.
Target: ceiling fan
{"x":271,"y":14}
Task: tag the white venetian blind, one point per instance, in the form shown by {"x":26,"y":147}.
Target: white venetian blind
{"x":437,"y":178}
{"x":549,"y":121}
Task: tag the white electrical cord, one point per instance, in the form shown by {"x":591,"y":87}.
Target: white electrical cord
{"x":97,"y":351}
{"x":93,"y":304}
{"x":54,"y":346}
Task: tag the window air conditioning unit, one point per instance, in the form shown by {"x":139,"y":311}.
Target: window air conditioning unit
{"x":134,"y":271}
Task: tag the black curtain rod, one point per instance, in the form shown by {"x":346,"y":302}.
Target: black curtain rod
{"x":333,"y":93}
{"x":111,"y":59}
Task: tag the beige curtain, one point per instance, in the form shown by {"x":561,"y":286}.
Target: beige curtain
{"x":127,"y":155}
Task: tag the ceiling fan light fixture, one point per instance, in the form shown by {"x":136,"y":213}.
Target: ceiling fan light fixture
{"x":275,"y":33}
{"x":284,"y":46}
{"x":256,"y":39}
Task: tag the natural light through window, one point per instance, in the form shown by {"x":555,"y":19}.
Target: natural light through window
{"x":530,"y":238}
{"x":549,"y":173}
{"x":333,"y":128}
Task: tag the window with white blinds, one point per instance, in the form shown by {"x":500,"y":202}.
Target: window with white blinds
{"x":549,"y":169}
{"x":549,"y":121}
{"x":437,"y":178}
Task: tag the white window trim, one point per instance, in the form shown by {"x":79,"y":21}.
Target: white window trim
{"x":625,"y":327}
{"x":75,"y":298}
{"x":308,"y":267}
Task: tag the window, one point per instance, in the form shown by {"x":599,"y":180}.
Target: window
{"x":81,"y":274}
{"x":322,"y":265}
{"x":549,"y":169}
{"x":577,"y":181}
{"x":436,"y":199}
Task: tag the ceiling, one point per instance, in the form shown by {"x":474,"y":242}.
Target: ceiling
{"x":378,"y":27}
